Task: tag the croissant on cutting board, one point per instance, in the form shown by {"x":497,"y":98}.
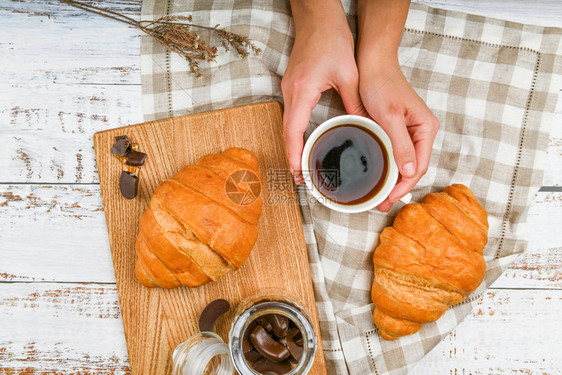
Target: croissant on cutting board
{"x":196,"y":228}
{"x":431,"y":258}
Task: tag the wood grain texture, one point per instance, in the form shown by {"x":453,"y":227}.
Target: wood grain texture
{"x":538,"y":12}
{"x":48,"y":137}
{"x":61,"y":329}
{"x":502,"y":331}
{"x":52,"y":42}
{"x":76,"y":329}
{"x":34,"y":248}
{"x":540,"y":266}
{"x":49,"y":233}
{"x":157,"y":320}
{"x":66,"y":74}
{"x":553,"y":171}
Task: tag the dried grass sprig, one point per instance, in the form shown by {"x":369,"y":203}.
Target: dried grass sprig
{"x":175,"y":33}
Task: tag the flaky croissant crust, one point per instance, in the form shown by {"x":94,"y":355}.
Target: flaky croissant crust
{"x":431,"y":258}
{"x":192,"y":232}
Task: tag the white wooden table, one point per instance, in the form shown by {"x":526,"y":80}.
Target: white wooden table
{"x":65,"y":75}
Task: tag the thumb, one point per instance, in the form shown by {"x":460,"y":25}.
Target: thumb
{"x":349,"y":92}
{"x":298,"y":108}
{"x":403,"y":148}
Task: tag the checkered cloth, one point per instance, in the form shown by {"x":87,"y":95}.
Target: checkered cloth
{"x":492,"y":84}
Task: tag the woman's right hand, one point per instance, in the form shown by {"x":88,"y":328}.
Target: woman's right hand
{"x":322,"y":58}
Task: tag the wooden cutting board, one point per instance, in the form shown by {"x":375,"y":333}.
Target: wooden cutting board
{"x":157,"y":320}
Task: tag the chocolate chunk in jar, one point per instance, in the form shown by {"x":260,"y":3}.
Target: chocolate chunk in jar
{"x":128,"y":184}
{"x":122,"y":146}
{"x":246,"y":343}
{"x":135,"y":158}
{"x":279,"y":324}
{"x":264,"y":365}
{"x":253,"y":356}
{"x":282,"y":340}
{"x":295,"y":334}
{"x":266,"y":324}
{"x":211,"y":313}
{"x":295,"y":350}
{"x":267,"y":346}
{"x":292,"y":332}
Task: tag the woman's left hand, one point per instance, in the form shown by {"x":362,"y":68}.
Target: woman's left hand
{"x":388,"y":97}
{"x":411,"y":126}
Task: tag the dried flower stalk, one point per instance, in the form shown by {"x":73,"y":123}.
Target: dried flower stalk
{"x":176,"y":34}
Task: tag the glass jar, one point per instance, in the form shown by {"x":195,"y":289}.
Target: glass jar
{"x":206,"y":353}
{"x":271,"y":301}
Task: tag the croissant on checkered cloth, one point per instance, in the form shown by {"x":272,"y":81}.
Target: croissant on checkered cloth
{"x":431,"y":258}
{"x":198,"y":226}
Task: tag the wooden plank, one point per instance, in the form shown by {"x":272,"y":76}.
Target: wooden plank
{"x":54,"y":9}
{"x":510,"y":331}
{"x":157,"y":320}
{"x":553,"y":171}
{"x":75,"y":328}
{"x":534,"y":269}
{"x":61,"y":329}
{"x":36,"y":250}
{"x":48,"y":138}
{"x":539,"y":12}
{"x":541,"y":265}
{"x":52,"y":42}
{"x":92,"y":65}
{"x":53,"y":233}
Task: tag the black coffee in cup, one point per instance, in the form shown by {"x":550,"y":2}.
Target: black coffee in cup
{"x":348,"y":164}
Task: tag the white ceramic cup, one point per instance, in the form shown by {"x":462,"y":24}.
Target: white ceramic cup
{"x":391,"y":178}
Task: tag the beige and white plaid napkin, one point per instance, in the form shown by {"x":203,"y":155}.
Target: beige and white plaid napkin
{"x":492,"y":84}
